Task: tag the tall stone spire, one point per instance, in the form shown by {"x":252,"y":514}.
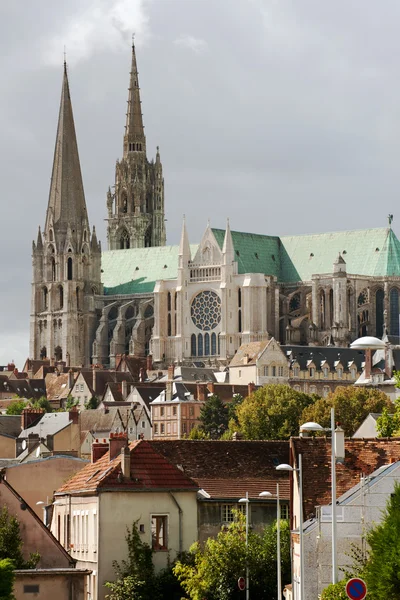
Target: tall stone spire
{"x":184,"y":246}
{"x":67,"y":204}
{"x":227,"y":248}
{"x":134,"y":138}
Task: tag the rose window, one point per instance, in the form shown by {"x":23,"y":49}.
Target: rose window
{"x":206,"y":310}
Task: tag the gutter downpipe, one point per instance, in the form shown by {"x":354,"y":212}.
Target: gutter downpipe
{"x":180,"y":522}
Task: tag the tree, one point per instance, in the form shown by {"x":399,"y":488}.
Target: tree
{"x":387,"y":424}
{"x":335,"y":591}
{"x":92,"y":404}
{"x":214,"y":417}
{"x":232,"y":410}
{"x":135,"y":576}
{"x":7,"y":578}
{"x":198,"y":434}
{"x":272,"y":412}
{"x":42,"y":403}
{"x":11,"y":542}
{"x":16,"y":407}
{"x":212,"y":572}
{"x":382,"y":571}
{"x":352,"y":405}
{"x":70,"y":403}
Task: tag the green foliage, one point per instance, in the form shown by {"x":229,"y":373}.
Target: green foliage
{"x":135,"y":579}
{"x":232,"y":410}
{"x":198,"y":434}
{"x":7,"y":578}
{"x":212,"y":572}
{"x":70,"y":403}
{"x":214,"y":417}
{"x":16,"y":407}
{"x":352,"y":405}
{"x":335,"y":591}
{"x":272,"y":412}
{"x":387,"y":424}
{"x":382,"y":571}
{"x":42,"y":403}
{"x":11,"y":542}
{"x":92,"y":404}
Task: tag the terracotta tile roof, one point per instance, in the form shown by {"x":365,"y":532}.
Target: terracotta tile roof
{"x":252,"y":351}
{"x":225,"y":468}
{"x":149,"y":471}
{"x":57,"y":385}
{"x":361,"y":457}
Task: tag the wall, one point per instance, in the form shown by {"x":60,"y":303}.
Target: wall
{"x":51,"y":472}
{"x":51,"y":585}
{"x":242,"y":374}
{"x":67,"y":439}
{"x":7,"y":447}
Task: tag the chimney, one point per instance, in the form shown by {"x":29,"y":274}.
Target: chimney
{"x":149,"y":363}
{"x":52,"y":362}
{"x":126,"y":462}
{"x":168,"y":390}
{"x":74,"y":415}
{"x":339,"y":445}
{"x":68,"y":359}
{"x":368,"y":363}
{"x":33,"y":439}
{"x":250,"y":388}
{"x":245,"y":359}
{"x":211,"y":387}
{"x":124,"y":386}
{"x":94,"y":380}
{"x":171,"y":370}
{"x":29,"y":416}
{"x":71,"y":380}
{"x":98,"y":450}
{"x":15,"y":371}
{"x":117,"y":442}
{"x":201,"y":392}
{"x":237,"y":436}
{"x":388,"y":369}
{"x":142,"y":374}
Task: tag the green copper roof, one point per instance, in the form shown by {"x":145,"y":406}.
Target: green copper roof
{"x":371,"y":252}
{"x":135,"y":271}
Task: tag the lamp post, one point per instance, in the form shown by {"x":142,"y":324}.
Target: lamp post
{"x":278,"y":538}
{"x":246,"y":501}
{"x":311,"y":426}
{"x":286,"y":467}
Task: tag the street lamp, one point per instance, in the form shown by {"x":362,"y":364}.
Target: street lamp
{"x":246,"y":501}
{"x":278,"y":537}
{"x":286,"y":467}
{"x":311,"y":426}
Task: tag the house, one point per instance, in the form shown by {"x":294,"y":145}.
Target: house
{"x":59,"y":430}
{"x":93,"y":383}
{"x":55,"y":575}
{"x":224,"y":471}
{"x":124,"y":484}
{"x":361,"y":458}
{"x":358,"y":510}
{"x":368,"y":428}
{"x":175,"y":412}
{"x":10,"y":428}
{"x":260,"y":362}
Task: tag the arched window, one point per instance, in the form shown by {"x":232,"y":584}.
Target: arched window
{"x":176,"y":300}
{"x":219,"y":345}
{"x":193,"y":345}
{"x":53,"y":268}
{"x":124,"y":202}
{"x":240,"y":321}
{"x":45,"y":298}
{"x":61,"y":296}
{"x":213,"y":344}
{"x":78,"y":300}
{"x":147,"y":238}
{"x":199,"y":345}
{"x":394,"y":311}
{"x":207,"y":344}
{"x":169,"y":324}
{"x":322,"y":309}
{"x":124,"y":240}
{"x":169,"y":300}
{"x":58,"y":353}
{"x":51,"y":237}
{"x":43,"y":353}
{"x":331,"y":306}
{"x":379,"y":297}
{"x":69,"y":269}
{"x":239,"y":297}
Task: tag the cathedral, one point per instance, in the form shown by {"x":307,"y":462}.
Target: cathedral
{"x":190,"y":302}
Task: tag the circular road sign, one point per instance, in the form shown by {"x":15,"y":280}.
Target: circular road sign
{"x":241,"y":583}
{"x":356,"y":589}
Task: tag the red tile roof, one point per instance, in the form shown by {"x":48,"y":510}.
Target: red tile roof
{"x":149,"y":471}
{"x":233,"y":489}
{"x":362,"y":457}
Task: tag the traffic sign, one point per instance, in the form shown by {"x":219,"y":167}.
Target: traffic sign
{"x":356,"y":589}
{"x":241,"y":583}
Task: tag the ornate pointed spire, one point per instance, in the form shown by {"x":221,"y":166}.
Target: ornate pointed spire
{"x":67,"y":204}
{"x":94,"y":243}
{"x":39,"y":242}
{"x":227,"y":248}
{"x":184,"y":246}
{"x":134,"y":139}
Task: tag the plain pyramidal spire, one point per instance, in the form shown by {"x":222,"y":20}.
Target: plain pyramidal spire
{"x":67,"y":206}
{"x":134,"y":139}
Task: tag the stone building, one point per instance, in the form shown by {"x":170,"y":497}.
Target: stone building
{"x":191,"y":302}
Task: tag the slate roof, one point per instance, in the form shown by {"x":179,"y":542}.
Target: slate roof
{"x":148,"y":393}
{"x":102,"y":378}
{"x":49,"y":424}
{"x":149,"y":471}
{"x":25,"y":388}
{"x":373,"y":252}
{"x":10,"y":425}
{"x":227,"y":469}
{"x":362,"y":457}
{"x":321,"y":355}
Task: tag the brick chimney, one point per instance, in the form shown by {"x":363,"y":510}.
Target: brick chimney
{"x":126,"y":462}
{"x":74,"y":415}
{"x":169,"y":383}
{"x":29,"y":416}
{"x":149,"y":362}
{"x":250,"y":388}
{"x":142,"y":374}
{"x":171,"y":370}
{"x":368,"y":363}
{"x":211,"y":387}
{"x":98,"y":450}
{"x":201,"y":392}
{"x":117,"y":442}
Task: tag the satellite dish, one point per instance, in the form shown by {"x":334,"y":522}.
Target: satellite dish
{"x":23,"y":444}
{"x":37,"y":452}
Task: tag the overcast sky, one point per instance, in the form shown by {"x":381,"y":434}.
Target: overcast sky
{"x":283,"y":115}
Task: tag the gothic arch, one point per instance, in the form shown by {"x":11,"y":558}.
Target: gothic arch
{"x":147,"y":238}
{"x":379,"y":308}
{"x":69,"y":268}
{"x":394,"y":311}
{"x":124,"y":240}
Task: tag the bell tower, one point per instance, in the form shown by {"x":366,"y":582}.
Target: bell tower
{"x":66,"y":257}
{"x":136,"y":207}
